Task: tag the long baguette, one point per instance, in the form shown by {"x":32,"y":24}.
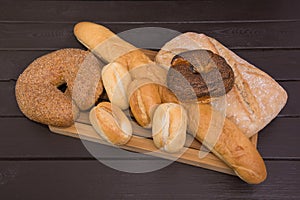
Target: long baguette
{"x":231,"y":145}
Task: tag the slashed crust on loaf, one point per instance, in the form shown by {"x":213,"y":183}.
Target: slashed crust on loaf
{"x":230,"y":145}
{"x":255,"y":99}
{"x":111,"y":123}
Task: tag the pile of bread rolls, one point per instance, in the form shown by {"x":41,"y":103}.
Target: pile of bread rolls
{"x":157,"y":96}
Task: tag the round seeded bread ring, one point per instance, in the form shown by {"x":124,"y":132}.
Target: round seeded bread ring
{"x":37,"y":90}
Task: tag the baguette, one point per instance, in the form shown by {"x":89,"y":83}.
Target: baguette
{"x":101,"y":41}
{"x":231,"y":146}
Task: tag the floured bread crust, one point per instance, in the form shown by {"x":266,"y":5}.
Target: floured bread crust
{"x":255,"y":98}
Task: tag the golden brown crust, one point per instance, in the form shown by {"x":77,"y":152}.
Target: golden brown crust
{"x":91,"y":38}
{"x":36,"y":89}
{"x":133,"y":59}
{"x":166,"y":95}
{"x":111,"y":123}
{"x":101,"y":41}
{"x":232,"y":146}
{"x":143,"y":101}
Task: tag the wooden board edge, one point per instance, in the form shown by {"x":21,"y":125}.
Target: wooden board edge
{"x":144,"y":145}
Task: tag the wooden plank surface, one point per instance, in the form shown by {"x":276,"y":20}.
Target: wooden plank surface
{"x":36,"y":164}
{"x":139,"y":144}
{"x":234,"y":35}
{"x":150,"y":11}
{"x":22,"y":138}
{"x":274,"y":62}
{"x":280,"y":136}
{"x":92,"y":180}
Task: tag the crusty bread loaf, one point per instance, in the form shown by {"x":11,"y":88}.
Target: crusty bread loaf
{"x":229,"y":143}
{"x":255,"y":98}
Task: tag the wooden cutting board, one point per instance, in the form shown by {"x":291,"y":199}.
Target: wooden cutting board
{"x":141,"y":142}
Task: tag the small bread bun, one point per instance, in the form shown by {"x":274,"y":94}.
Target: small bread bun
{"x":111,"y":123}
{"x":169,"y":127}
{"x":116,"y":79}
{"x":166,"y":95}
{"x":143,"y":99}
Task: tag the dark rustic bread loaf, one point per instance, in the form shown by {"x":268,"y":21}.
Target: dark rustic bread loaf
{"x":208,"y":75}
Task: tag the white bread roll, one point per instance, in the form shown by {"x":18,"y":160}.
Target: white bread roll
{"x":143,"y":98}
{"x":169,"y":127}
{"x":111,"y":123}
{"x":116,"y":79}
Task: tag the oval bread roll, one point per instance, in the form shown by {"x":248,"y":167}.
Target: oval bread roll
{"x":116,"y":79}
{"x":143,"y":100}
{"x":111,"y":123}
{"x":169,"y":127}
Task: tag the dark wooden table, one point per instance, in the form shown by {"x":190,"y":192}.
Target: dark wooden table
{"x":36,"y":164}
